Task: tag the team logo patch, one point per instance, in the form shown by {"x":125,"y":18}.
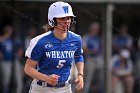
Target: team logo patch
{"x":72,"y":44}
{"x":65,"y":8}
{"x":48,"y":45}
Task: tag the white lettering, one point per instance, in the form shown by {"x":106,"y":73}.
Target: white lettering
{"x":66,"y":52}
{"x":58,"y":54}
{"x":53,"y":54}
{"x":69,"y":54}
{"x":62,"y":55}
{"x":72,"y":54}
{"x":48,"y":54}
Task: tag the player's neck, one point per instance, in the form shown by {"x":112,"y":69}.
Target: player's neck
{"x":59,"y":34}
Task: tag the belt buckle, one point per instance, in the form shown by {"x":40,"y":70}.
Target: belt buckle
{"x":44,"y":84}
{"x":62,"y":84}
{"x":67,"y":83}
{"x":59,"y":85}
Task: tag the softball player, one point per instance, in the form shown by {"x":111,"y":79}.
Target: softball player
{"x":50,"y":55}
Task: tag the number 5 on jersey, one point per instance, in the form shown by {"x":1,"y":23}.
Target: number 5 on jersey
{"x":61,"y":63}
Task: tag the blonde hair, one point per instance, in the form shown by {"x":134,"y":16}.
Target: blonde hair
{"x":47,"y":27}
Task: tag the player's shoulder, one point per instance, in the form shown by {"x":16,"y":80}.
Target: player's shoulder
{"x":74,"y":35}
{"x":40,"y":37}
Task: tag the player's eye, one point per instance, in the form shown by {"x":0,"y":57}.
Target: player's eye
{"x":68,"y":18}
{"x":62,"y":18}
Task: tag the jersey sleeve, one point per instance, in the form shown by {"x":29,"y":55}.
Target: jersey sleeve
{"x":34,"y":51}
{"x":78,"y":56}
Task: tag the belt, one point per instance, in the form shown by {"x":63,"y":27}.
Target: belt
{"x":61,"y":84}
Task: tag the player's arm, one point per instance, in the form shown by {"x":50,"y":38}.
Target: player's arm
{"x":34,"y":54}
{"x":80,"y":68}
{"x":79,"y":79}
{"x":79,"y":60}
{"x":32,"y":72}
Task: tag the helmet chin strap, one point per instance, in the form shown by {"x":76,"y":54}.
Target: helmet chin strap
{"x":62,"y":27}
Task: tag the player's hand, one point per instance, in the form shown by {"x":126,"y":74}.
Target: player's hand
{"x":52,"y":79}
{"x":80,"y":82}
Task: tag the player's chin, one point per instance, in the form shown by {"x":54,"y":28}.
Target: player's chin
{"x":65,"y":30}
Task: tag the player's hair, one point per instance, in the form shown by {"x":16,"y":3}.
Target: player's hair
{"x":47,"y":28}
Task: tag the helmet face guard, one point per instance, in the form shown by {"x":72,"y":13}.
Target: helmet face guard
{"x":59,"y":10}
{"x":72,"y":25}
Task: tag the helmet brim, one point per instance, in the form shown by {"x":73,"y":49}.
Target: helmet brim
{"x":60,"y":16}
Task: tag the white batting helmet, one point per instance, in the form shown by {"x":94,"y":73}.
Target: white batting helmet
{"x":57,"y":10}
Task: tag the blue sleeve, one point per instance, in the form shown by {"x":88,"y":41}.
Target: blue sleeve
{"x":116,"y":64}
{"x":37,"y":53}
{"x":34,"y":51}
{"x":78,"y":56}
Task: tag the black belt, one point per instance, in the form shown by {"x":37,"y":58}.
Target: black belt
{"x":61,"y":84}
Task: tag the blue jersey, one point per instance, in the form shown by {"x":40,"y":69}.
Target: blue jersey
{"x":94,"y":42}
{"x":55,"y":56}
{"x":122,"y":41}
{"x":6,"y":47}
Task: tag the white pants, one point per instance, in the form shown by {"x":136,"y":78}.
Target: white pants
{"x":92,"y":64}
{"x":6,"y":68}
{"x":18,"y":76}
{"x":35,"y":88}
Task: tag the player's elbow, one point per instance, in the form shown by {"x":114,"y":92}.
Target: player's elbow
{"x":30,"y":66}
{"x":26,"y":69}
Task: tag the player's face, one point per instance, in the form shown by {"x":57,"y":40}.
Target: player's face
{"x":63,"y":23}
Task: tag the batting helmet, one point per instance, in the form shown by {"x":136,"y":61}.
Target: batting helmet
{"x":57,"y":10}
